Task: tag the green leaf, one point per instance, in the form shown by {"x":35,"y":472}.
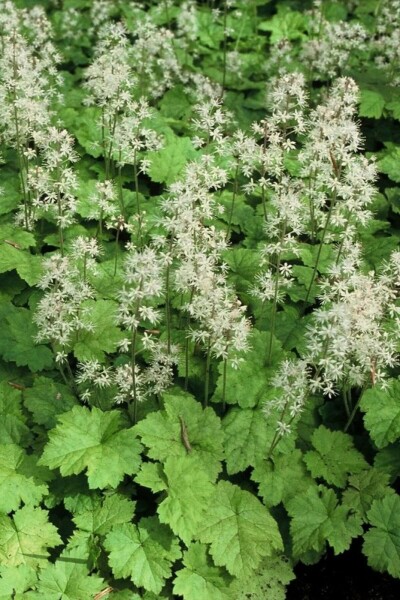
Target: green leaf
{"x":100,"y":513}
{"x":67,"y":580}
{"x":13,"y":429}
{"x":364,"y":488}
{"x":87,"y":130}
{"x":382,"y":542}
{"x":389,"y":163}
{"x":382,"y":413}
{"x":287,"y":24}
{"x":85,"y":545}
{"x":167,"y":164}
{"x":28,"y":266}
{"x":189,"y":492}
{"x":163,"y":431}
{"x":388,"y":460}
{"x":13,"y":235}
{"x":17,"y":341}
{"x":200,"y":578}
{"x":175,"y":103}
{"x":239,"y":216}
{"x":47,"y":399}
{"x":281,"y":478}
{"x":378,"y":249}
{"x":84,"y":193}
{"x":267,"y":582}
{"x":334,"y":457}
{"x":317,"y":519}
{"x":95,"y":441}
{"x":243,"y":264}
{"x":324,"y":254}
{"x":20,"y":480}
{"x":304,"y":276}
{"x":249,"y":384}
{"x":394,"y":107}
{"x":25,"y":537}
{"x":372,"y":104}
{"x":393,"y":195}
{"x":240,"y":530}
{"x":151,"y":475}
{"x":105,"y":337}
{"x":333,"y":11}
{"x":10,"y":195}
{"x":248,"y":436}
{"x":15,"y":581}
{"x":138,"y":552}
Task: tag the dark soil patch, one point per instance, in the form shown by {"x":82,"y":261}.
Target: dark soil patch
{"x":345,"y":577}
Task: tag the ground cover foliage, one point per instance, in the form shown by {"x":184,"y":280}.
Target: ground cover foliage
{"x":199,"y":294}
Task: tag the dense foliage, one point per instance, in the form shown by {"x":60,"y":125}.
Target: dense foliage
{"x":200,"y":274}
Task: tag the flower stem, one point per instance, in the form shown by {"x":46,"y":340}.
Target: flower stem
{"x":207,"y":377}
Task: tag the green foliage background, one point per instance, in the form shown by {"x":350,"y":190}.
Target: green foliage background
{"x":90,"y":502}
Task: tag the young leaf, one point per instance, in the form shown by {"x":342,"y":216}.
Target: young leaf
{"x":12,"y":422}
{"x":382,"y":542}
{"x":248,"y":435}
{"x":286,"y":24}
{"x":200,"y":578}
{"x":239,"y":528}
{"x":163,"y":432}
{"x":317,"y":519}
{"x":151,"y":475}
{"x":334,"y":457}
{"x":102,"y":513}
{"x":25,"y":537}
{"x":388,"y":460}
{"x":105,"y":335}
{"x":28,"y":266}
{"x":14,"y":235}
{"x":68,"y":580}
{"x":248,"y":385}
{"x":364,"y":488}
{"x":15,"y":581}
{"x":95,"y":441}
{"x":20,"y":480}
{"x":46,"y":399}
{"x":17,"y":341}
{"x":189,"y":492}
{"x":167,"y":164}
{"x":372,"y":104}
{"x":382,"y":413}
{"x":10,"y":192}
{"x":137,"y":552}
{"x":281,"y":478}
{"x":389,"y":163}
{"x":268,"y":582}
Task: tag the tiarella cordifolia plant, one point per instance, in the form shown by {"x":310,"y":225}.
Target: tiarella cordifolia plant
{"x":352,"y":339}
{"x":61,"y":313}
{"x":386,"y":44}
{"x":158,"y":67}
{"x":28,"y":82}
{"x":199,"y":274}
{"x":331,"y":44}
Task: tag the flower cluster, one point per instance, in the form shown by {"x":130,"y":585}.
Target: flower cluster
{"x":220,"y":323}
{"x":340,"y":179}
{"x":386,"y":44}
{"x":292,"y":383}
{"x":154,"y":52}
{"x":331,"y":44}
{"x":51,"y":180}
{"x":61,"y":313}
{"x":352,"y":338}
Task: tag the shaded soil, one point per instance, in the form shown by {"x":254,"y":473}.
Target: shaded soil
{"x":345,"y":577}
